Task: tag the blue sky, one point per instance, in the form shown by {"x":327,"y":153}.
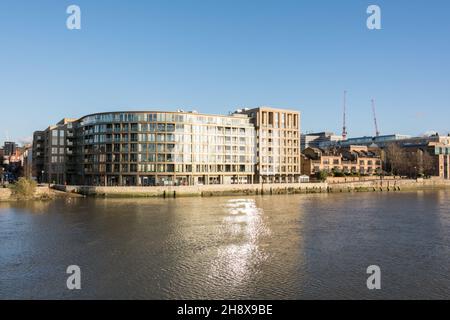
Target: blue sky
{"x":216,"y":56}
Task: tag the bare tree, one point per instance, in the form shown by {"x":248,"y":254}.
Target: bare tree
{"x":412,"y":164}
{"x":394,"y":158}
{"x":429,"y":164}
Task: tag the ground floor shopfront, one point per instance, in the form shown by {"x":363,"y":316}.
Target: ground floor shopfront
{"x":166,"y":180}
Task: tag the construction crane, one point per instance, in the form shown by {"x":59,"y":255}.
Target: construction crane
{"x":344,"y":128}
{"x":377,"y":132}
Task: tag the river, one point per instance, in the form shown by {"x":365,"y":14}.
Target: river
{"x":309,"y":246}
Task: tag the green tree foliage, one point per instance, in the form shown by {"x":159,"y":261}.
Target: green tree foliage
{"x":322,"y":175}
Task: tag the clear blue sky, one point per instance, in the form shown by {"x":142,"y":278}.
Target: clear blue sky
{"x":216,"y":56}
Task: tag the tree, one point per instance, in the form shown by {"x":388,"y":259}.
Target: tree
{"x":429,"y":164}
{"x":337,"y":173}
{"x":322,"y":175}
{"x":411,"y":166}
{"x":395,"y":159}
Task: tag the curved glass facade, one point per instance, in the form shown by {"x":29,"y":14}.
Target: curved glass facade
{"x":152,"y":148}
{"x":164,"y":148}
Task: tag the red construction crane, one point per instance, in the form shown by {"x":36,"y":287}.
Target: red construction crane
{"x":377,"y":132}
{"x":344,"y":128}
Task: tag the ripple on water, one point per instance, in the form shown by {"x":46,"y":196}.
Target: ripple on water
{"x":279,"y":247}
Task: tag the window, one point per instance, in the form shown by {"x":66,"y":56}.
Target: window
{"x":161,"y":127}
{"x":160,"y":137}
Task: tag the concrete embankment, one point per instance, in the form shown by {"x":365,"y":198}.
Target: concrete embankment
{"x":256,"y":189}
{"x":389,"y":185}
{"x":200,"y":190}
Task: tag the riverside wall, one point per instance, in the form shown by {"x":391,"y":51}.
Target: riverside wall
{"x":230,"y":190}
{"x":257,"y":189}
{"x":199,"y":190}
{"x":389,"y":185}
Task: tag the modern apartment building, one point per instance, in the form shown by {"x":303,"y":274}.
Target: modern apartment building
{"x":277,"y":143}
{"x":147,"y":148}
{"x":170,"y":148}
{"x":53,"y":153}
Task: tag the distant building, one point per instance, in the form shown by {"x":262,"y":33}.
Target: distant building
{"x":347,"y":160}
{"x":319,"y":140}
{"x":27,"y":162}
{"x":12,"y":161}
{"x":9,"y":148}
{"x":428,"y":155}
{"x":2,"y":169}
{"x":380,"y":141}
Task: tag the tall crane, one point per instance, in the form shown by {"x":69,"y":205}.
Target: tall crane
{"x":344,"y":127}
{"x":377,"y":132}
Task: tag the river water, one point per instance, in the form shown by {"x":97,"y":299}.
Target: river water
{"x":314,"y":246}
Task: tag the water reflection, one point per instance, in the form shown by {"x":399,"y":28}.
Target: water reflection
{"x":243,"y":226}
{"x":35,"y":207}
{"x":261,"y":247}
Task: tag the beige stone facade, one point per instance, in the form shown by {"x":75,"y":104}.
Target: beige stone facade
{"x":278,"y":157}
{"x":352,"y":159}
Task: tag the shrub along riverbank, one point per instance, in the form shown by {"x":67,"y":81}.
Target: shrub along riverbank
{"x":26,"y":189}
